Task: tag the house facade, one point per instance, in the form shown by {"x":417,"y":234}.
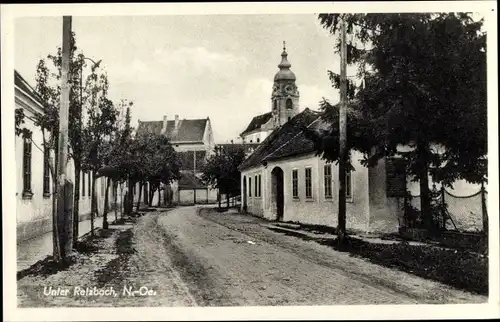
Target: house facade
{"x":193,"y":140}
{"x":285,"y":180}
{"x":33,"y":179}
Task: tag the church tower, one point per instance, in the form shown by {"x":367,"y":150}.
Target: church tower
{"x":285,"y":95}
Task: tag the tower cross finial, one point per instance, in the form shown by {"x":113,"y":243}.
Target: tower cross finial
{"x":284,"y":46}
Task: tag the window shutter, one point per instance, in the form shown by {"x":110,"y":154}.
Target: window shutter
{"x":395,"y":177}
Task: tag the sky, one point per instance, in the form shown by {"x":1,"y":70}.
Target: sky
{"x":194,"y":66}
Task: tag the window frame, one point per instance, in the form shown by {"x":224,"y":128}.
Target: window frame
{"x":46,"y":173}
{"x":327,"y":178}
{"x":295,"y":184}
{"x":260,"y":185}
{"x":256,"y":186}
{"x":311,"y":196}
{"x":250,"y":186}
{"x":27,"y":169}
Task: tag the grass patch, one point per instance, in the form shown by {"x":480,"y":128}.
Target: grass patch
{"x":459,"y":268}
{"x":112,"y":272}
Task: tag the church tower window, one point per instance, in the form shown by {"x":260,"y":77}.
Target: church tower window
{"x":289,"y":104}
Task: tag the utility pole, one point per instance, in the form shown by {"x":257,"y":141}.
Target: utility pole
{"x":343,"y":135}
{"x":64,"y":204}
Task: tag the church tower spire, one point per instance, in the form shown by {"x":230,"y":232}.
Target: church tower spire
{"x":285,"y":96}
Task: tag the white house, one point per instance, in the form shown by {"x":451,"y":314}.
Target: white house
{"x":284,"y":180}
{"x":33,"y":180}
{"x":193,"y":140}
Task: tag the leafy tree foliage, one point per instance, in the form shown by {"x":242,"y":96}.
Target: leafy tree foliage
{"x":424,"y":87}
{"x":221,"y":169}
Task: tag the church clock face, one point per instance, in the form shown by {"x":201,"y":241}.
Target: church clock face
{"x":289,"y":89}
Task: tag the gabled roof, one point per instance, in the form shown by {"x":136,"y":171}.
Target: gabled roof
{"x":247,"y":147}
{"x":187,"y":131}
{"x":257,"y":122}
{"x":298,"y":145}
{"x":153,"y":127}
{"x":280,"y":142}
{"x":23,"y":85}
{"x":190,"y":181}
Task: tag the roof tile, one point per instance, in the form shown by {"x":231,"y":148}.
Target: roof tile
{"x":257,"y":122}
{"x":280,"y":138}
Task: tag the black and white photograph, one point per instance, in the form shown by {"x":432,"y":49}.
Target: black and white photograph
{"x":333,"y":160}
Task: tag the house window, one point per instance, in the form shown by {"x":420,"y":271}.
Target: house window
{"x":328,"y":181}
{"x":256,"y":187}
{"x":46,"y":173}
{"x":258,"y":140}
{"x":249,"y":186}
{"x":83,"y":183}
{"x":308,"y":183}
{"x":395,"y":177}
{"x":289,"y":104}
{"x":295,"y":184}
{"x":260,"y":185}
{"x":348,"y":185}
{"x":27,"y":165}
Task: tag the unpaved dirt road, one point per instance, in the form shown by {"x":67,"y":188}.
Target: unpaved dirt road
{"x":229,"y":259}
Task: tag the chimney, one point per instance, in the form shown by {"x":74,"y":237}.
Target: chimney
{"x":176,"y":122}
{"x":164,"y":127}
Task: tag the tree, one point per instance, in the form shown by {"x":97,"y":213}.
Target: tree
{"x":221,"y":170}
{"x":101,"y":124}
{"x":48,"y":88}
{"x":424,"y":87}
{"x":155,"y":162}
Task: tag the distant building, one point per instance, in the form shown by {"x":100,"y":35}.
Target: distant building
{"x":33,"y":179}
{"x":193,"y":140}
{"x":284,"y":105}
{"x":247,"y":147}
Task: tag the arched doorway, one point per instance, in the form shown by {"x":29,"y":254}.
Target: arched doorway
{"x":244,"y":194}
{"x":278,"y":197}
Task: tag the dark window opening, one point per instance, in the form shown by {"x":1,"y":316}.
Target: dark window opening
{"x":27,"y":164}
{"x":46,"y":172}
{"x":289,"y":104}
{"x":295,"y":184}
{"x":308,"y":183}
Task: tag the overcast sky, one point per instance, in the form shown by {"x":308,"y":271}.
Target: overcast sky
{"x":217,"y":66}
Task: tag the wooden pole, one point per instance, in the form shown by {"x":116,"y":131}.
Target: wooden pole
{"x":343,"y":136}
{"x":66,"y":216}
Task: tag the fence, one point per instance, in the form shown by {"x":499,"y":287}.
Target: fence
{"x":450,"y":212}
